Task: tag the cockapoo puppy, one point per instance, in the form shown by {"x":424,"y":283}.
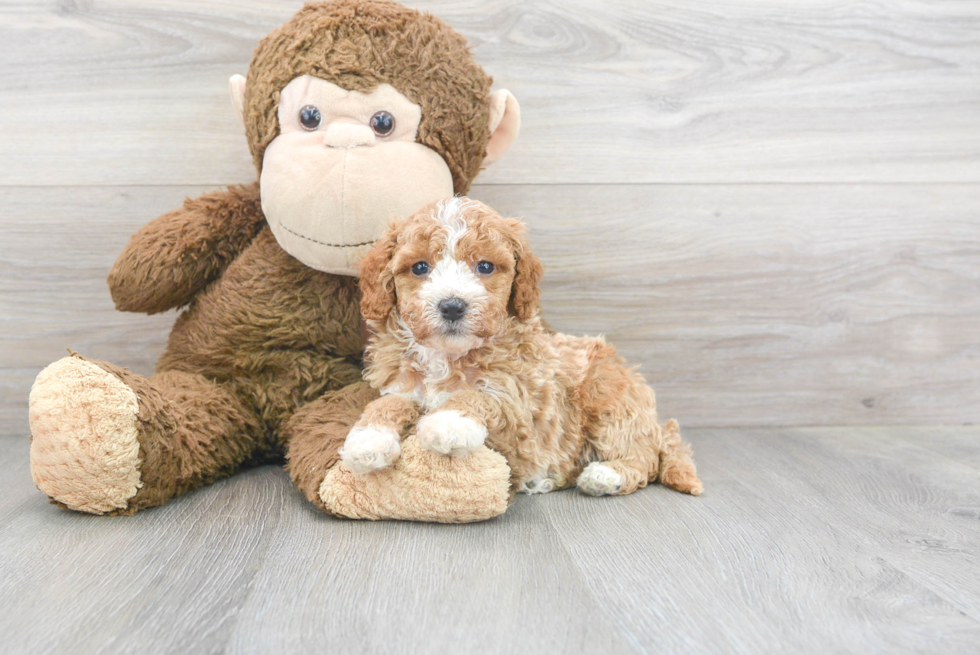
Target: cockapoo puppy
{"x":451,"y":296}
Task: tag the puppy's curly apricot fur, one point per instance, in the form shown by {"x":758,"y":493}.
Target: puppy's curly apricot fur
{"x":452,"y":297}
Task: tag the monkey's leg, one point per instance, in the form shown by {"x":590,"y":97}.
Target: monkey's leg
{"x":315,"y":433}
{"x":421,"y":485}
{"x":107,"y":441}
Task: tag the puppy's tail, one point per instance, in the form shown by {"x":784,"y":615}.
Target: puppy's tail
{"x":677,"y":469}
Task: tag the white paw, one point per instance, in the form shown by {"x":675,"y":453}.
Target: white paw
{"x":368,"y":449}
{"x":537,"y":486}
{"x":599,"y":479}
{"x":450,"y":433}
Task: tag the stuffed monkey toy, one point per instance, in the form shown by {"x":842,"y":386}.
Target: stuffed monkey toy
{"x":356,"y":111}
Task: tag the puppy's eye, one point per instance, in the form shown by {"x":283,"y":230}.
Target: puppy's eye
{"x":420,"y":268}
{"x":309,"y":118}
{"x":382,"y":123}
{"x":485,"y":268}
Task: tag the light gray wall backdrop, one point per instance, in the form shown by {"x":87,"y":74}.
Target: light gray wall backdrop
{"x":772,"y":207}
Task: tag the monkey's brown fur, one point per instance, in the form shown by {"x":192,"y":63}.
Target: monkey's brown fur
{"x":261,"y":361}
{"x":360,"y":44}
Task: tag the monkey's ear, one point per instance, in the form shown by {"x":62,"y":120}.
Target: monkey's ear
{"x":236,"y":87}
{"x":376,"y":278}
{"x":505,"y":123}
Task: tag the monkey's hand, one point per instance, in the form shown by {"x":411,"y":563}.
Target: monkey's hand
{"x":173,"y":257}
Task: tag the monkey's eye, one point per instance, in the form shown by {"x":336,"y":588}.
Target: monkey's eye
{"x":420,"y":268}
{"x":309,"y":118}
{"x":382,"y":123}
{"x":485,"y":268}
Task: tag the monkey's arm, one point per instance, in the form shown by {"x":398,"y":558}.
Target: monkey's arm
{"x":174,"y":256}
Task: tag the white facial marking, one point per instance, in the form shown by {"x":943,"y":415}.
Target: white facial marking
{"x":450,"y":213}
{"x":451,"y":278}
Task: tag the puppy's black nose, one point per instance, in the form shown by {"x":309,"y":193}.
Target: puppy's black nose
{"x":452,"y":309}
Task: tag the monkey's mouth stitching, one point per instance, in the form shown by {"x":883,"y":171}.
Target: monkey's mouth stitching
{"x":324,"y":243}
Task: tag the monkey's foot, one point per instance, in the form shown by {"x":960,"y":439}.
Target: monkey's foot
{"x":422,"y":486}
{"x":84,"y":436}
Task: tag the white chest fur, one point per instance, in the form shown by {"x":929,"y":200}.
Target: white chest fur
{"x":439,"y":379}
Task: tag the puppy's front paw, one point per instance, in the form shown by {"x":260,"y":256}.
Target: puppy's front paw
{"x":450,"y":433}
{"x":368,"y":449}
{"x":599,"y":479}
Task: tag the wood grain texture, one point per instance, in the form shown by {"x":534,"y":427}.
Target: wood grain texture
{"x":808,"y":540}
{"x":936,"y":493}
{"x":772,"y":304}
{"x":617,"y":91}
{"x":395,"y":587}
{"x":803,"y":546}
{"x":744,"y":304}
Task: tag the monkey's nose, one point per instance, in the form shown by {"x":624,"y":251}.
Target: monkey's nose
{"x":348,"y":135}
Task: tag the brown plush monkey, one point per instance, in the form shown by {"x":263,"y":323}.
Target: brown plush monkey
{"x":356,"y":111}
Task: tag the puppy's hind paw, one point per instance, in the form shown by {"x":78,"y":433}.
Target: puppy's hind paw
{"x":450,"y":433}
{"x":368,"y":449}
{"x":537,"y":486}
{"x":599,"y":479}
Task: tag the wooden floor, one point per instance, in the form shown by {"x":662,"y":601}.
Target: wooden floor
{"x":807,"y":540}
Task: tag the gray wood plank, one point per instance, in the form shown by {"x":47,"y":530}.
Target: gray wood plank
{"x":616,"y":91}
{"x":919,"y":507}
{"x":58,"y":249}
{"x":505,"y":586}
{"x":784,"y":552}
{"x":951,"y":442}
{"x":744,"y":304}
{"x":250,"y":566}
{"x":815,"y":540}
{"x":167,"y":580}
{"x":19,"y":489}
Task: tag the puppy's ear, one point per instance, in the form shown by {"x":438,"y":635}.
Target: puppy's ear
{"x":377,"y":281}
{"x":526,"y":291}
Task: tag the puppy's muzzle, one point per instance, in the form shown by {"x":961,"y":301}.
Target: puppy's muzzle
{"x":452,"y":309}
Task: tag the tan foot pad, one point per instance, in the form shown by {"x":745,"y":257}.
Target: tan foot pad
{"x":422,"y":486}
{"x":84,"y":446}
